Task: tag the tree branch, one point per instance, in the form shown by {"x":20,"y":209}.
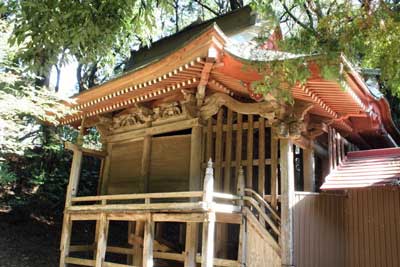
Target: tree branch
{"x":301,"y":24}
{"x":206,"y":7}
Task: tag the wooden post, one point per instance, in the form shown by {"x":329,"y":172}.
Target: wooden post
{"x":249,"y":175}
{"x":228,"y":152}
{"x":240,"y":186}
{"x":287,"y":202}
{"x":191,"y":244}
{"x":239,"y":142}
{"x":195,"y":158}
{"x":138,"y":252}
{"x":65,"y":239}
{"x":72,"y":190}
{"x":242,"y":242}
{"x":242,"y":230}
{"x":74,"y":176}
{"x":208,"y":187}
{"x":148,"y":242}
{"x":274,"y":168}
{"x":207,"y":251}
{"x":101,"y":240}
{"x":194,"y":184}
{"x":106,"y":171}
{"x":146,"y":162}
{"x":309,"y":169}
{"x":261,"y":157}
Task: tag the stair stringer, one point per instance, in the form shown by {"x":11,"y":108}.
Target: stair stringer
{"x":261,"y":248}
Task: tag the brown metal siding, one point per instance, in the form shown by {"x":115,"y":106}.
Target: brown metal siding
{"x":361,"y":229}
{"x":373,"y":230}
{"x":319,"y":230}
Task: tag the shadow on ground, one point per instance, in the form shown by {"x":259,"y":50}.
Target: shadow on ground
{"x":28,"y":241}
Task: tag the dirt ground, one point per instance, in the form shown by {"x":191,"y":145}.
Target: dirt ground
{"x":28,"y":241}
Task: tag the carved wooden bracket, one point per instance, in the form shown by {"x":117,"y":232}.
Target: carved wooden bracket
{"x":141,"y":115}
{"x":293,"y":120}
{"x":214,"y":102}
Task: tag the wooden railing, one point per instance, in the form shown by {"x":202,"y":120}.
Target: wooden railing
{"x":204,"y":206}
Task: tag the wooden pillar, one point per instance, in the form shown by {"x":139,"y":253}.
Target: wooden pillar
{"x":194,"y":185}
{"x":138,"y":252}
{"x":65,"y":240}
{"x":274,"y":169}
{"x":191,"y":244}
{"x":72,"y":190}
{"x":145,"y":170}
{"x":101,"y":240}
{"x":228,"y":152}
{"x":106,"y":170}
{"x":242,"y":230}
{"x":250,"y":137}
{"x":148,"y":240}
{"x":74,"y":176}
{"x":207,"y":250}
{"x":195,"y":158}
{"x":309,"y":169}
{"x":287,"y":202}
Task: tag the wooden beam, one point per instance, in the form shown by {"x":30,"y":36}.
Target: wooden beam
{"x":261,"y":157}
{"x":274,"y":168}
{"x":287,"y":202}
{"x":105,"y":175}
{"x":207,"y":251}
{"x":137,"y":249}
{"x":191,"y":244}
{"x":101,"y":240}
{"x":65,"y":240}
{"x":214,"y":102}
{"x":194,"y":184}
{"x":218,"y":151}
{"x":250,"y":137}
{"x":228,"y":153}
{"x":74,"y":176}
{"x":239,"y":142}
{"x":146,"y":157}
{"x":148,"y":242}
{"x":195,"y":158}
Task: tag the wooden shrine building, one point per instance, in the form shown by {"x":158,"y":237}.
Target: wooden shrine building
{"x":198,"y":170}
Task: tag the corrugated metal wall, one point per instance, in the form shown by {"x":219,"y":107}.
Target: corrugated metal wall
{"x":373,"y":227}
{"x":361,"y":229}
{"x":319,"y":230}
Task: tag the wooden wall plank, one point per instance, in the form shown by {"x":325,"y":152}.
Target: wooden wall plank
{"x":228,"y":153}
{"x":249,"y":169}
{"x":239,"y":142}
{"x":261,"y":156}
{"x":274,"y":168}
{"x":218,"y":151}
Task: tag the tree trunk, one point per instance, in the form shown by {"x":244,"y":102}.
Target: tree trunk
{"x":57,"y":87}
{"x":236,"y":4}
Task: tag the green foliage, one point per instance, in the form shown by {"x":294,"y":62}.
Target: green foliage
{"x":23,"y":106}
{"x":91,"y":30}
{"x":6,"y":177}
{"x":367,"y":34}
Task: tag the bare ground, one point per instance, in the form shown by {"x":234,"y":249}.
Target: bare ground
{"x":28,"y":241}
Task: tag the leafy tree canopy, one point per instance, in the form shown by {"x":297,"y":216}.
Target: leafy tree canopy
{"x":367,"y":32}
{"x":23,"y":106}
